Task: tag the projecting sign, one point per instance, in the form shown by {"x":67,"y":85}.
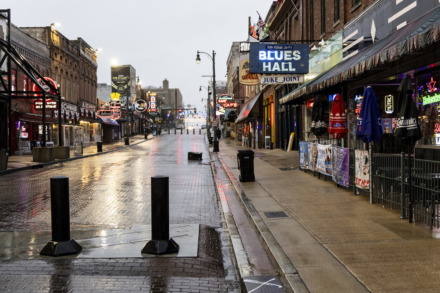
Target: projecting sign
{"x":279,"y":58}
{"x":281,"y":79}
{"x":389,"y":104}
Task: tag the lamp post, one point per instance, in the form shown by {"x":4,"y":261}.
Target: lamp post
{"x":208,"y":121}
{"x":214,"y":97}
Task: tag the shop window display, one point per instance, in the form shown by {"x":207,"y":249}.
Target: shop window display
{"x":428,"y":100}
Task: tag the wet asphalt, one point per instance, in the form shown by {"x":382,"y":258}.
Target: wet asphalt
{"x":111,"y":193}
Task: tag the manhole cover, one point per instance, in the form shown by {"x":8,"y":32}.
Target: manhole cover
{"x":275,"y":214}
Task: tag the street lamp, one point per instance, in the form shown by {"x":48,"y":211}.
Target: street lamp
{"x":216,"y":148}
{"x":208,"y":121}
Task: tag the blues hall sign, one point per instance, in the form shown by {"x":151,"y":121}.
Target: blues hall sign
{"x":279,"y":58}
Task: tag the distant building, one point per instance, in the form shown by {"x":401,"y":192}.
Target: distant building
{"x":172,"y":96}
{"x":104,"y":92}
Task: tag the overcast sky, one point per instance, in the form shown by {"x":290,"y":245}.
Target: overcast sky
{"x":159,"y":38}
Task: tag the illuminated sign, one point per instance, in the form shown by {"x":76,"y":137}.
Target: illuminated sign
{"x":389,"y":104}
{"x":153,"y":106}
{"x":431,"y":99}
{"x":46,"y":88}
{"x":140,"y":105}
{"x":358,"y":100}
{"x":279,"y":58}
{"x":225,"y":97}
{"x":50,"y":105}
{"x":310,"y":103}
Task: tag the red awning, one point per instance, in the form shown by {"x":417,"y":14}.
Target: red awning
{"x":247,"y":108}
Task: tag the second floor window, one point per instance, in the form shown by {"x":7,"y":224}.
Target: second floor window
{"x":355,"y":2}
{"x":337,"y":13}
{"x":322,"y":16}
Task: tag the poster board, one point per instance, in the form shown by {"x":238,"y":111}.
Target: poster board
{"x":267,"y":142}
{"x":324,"y":161}
{"x":340,"y":159}
{"x":362,"y":168}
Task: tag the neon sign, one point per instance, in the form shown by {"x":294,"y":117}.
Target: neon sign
{"x":431,"y":99}
{"x":389,"y":104}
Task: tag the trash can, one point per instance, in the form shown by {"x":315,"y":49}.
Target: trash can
{"x":127,"y":141}
{"x":245,"y":161}
{"x":99,"y":146}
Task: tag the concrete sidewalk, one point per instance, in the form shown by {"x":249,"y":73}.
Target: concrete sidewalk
{"x":23,"y":162}
{"x":336,"y":242}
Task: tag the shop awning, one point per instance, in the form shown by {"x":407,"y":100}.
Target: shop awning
{"x":247,"y":108}
{"x":230,"y":112}
{"x":412,"y":38}
{"x":108,"y":121}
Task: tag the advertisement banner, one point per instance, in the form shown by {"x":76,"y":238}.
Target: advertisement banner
{"x":279,"y":58}
{"x":340,"y":165}
{"x":303,"y":155}
{"x":313,"y":156}
{"x":362,"y":169}
{"x":246,"y":77}
{"x":324,"y":162}
{"x":121,"y":80}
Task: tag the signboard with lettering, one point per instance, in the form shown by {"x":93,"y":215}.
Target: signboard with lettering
{"x":50,"y":104}
{"x":279,"y":58}
{"x":246,"y":77}
{"x":389,"y":104}
{"x":281,"y":79}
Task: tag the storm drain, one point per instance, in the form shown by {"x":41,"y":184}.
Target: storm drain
{"x":275,"y":214}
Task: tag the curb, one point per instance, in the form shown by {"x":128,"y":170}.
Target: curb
{"x":289,"y":275}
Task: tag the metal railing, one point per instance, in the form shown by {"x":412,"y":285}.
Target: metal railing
{"x":415,"y":194}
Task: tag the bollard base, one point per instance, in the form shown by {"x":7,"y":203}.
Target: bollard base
{"x":54,"y":248}
{"x":161,"y":247}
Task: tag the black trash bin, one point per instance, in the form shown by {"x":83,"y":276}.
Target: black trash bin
{"x":245,"y":161}
{"x":127,"y":141}
{"x":99,"y":146}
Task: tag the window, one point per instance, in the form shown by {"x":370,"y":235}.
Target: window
{"x":312,"y":20}
{"x":322,"y":16}
{"x":355,"y":2}
{"x":337,"y":13}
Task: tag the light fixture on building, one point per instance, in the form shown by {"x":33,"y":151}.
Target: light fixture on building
{"x":314,"y":48}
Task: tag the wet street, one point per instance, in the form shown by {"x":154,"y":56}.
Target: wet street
{"x":110,"y":196}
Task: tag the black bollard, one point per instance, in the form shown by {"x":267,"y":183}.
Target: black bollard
{"x":175,"y":130}
{"x":161,"y":243}
{"x":200,"y":131}
{"x":187,"y":131}
{"x":61,"y":243}
{"x":99,"y":146}
{"x":181,"y":130}
{"x":127,"y":140}
{"x":146,"y":135}
{"x":216,"y":149}
{"x":194,"y":131}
